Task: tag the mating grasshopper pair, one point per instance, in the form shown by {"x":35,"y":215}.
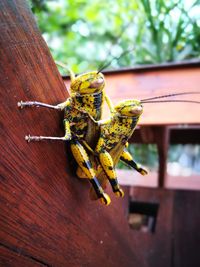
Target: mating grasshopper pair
{"x":97,"y":145}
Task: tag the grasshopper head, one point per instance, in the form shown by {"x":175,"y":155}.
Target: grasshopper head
{"x":129,"y":108}
{"x":88,"y":83}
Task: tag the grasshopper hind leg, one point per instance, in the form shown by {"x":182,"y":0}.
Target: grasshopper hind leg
{"x":127,"y":158}
{"x":84,"y":163}
{"x":108,"y":166}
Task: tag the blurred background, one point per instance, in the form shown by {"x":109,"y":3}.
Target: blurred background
{"x":84,"y":33}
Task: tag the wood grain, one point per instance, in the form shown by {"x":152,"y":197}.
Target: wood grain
{"x":13,"y":258}
{"x":176,"y":240}
{"x":46,"y":213}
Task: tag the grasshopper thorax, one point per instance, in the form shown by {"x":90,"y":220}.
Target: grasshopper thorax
{"x":129,"y":108}
{"x":88,"y":83}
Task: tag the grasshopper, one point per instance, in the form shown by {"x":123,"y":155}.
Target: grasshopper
{"x":85,"y":102}
{"x":114,"y":134}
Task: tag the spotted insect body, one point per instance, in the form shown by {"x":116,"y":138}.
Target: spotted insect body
{"x":111,"y":146}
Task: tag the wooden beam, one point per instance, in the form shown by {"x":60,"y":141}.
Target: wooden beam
{"x":155,"y":82}
{"x":191,"y":182}
{"x":132,"y":178}
{"x":162,"y":141}
{"x":188,"y":134}
{"x":185,"y":135}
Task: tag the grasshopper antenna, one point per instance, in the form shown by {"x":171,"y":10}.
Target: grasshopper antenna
{"x":168,"y":95}
{"x":117,"y":40}
{"x":162,"y":101}
{"x":117,"y":58}
{"x":71,"y":73}
{"x":153,"y":99}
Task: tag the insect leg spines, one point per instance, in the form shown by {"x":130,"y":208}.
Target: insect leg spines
{"x":127,"y":158}
{"x":108,"y":166}
{"x":84,"y":163}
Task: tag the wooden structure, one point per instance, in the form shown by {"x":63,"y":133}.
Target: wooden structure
{"x":46,"y":217}
{"x":176,"y":239}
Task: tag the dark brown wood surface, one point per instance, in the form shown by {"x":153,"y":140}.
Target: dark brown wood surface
{"x":186,"y":237}
{"x":176,"y":240}
{"x":46,"y":216}
{"x":156,"y":248}
{"x":13,"y":258}
{"x":178,"y":135}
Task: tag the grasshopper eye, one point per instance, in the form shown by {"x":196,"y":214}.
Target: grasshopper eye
{"x":100,"y":80}
{"x":97,"y":83}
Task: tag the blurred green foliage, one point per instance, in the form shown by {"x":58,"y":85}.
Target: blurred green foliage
{"x":84,"y":33}
{"x":147,"y":155}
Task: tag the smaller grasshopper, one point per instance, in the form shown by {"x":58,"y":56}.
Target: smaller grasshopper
{"x":114,"y":134}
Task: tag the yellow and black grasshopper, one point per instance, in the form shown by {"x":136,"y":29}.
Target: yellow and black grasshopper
{"x":82,"y":110}
{"x":114,"y":134}
{"x":85,"y":102}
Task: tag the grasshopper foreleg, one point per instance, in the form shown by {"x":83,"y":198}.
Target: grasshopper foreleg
{"x":22,"y":104}
{"x":67,"y":137}
{"x":30,"y":138}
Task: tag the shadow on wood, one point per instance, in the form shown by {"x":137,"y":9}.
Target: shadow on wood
{"x":47,"y":218}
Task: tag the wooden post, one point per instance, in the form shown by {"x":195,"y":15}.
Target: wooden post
{"x":46,"y":217}
{"x":162,"y":141}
